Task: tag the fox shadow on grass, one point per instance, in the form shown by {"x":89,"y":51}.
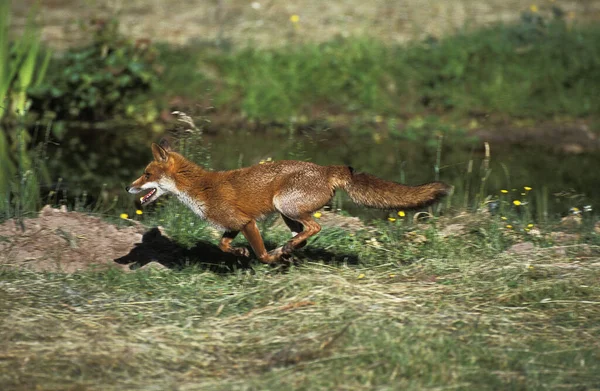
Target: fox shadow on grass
{"x":156,"y":247}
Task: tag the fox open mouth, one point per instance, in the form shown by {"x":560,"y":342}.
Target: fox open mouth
{"x":145,"y":198}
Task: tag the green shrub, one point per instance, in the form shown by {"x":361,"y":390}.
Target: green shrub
{"x":534,"y":68}
{"x":108,"y":78}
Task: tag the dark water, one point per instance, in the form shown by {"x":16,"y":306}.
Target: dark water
{"x":558,"y":181}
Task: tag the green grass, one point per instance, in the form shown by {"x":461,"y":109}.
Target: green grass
{"x":457,"y":313}
{"x":535,"y":69}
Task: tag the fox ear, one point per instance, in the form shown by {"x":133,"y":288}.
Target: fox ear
{"x":160,"y":154}
{"x":164,"y":143}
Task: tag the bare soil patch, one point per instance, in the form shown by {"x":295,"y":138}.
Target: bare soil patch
{"x":62,"y":241}
{"x":58,"y":240}
{"x":266,"y":23}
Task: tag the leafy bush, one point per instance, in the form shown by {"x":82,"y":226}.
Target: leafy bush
{"x":108,"y":78}
{"x":536,"y":68}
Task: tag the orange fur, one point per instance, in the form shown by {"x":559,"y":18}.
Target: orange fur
{"x":234,"y":200}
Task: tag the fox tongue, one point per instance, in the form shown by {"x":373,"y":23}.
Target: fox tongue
{"x":147,"y":196}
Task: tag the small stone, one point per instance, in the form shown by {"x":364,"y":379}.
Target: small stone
{"x":521,"y":248}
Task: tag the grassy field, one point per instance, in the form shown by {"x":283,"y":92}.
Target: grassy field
{"x":393,"y":306}
{"x":539,"y":69}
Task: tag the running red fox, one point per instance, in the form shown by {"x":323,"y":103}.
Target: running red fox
{"x":234,"y":200}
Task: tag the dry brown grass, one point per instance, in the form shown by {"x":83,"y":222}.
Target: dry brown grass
{"x":509,"y":321}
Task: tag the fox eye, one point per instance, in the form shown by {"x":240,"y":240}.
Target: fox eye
{"x":147,"y":175}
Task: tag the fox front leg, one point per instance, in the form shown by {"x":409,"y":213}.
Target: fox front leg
{"x":225,"y":245}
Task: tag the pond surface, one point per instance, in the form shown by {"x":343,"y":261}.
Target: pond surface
{"x":558,"y":181}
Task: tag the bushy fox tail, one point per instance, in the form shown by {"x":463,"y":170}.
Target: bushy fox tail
{"x":368,"y":190}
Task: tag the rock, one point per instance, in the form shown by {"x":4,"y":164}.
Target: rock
{"x":153,"y":265}
{"x":571,"y":221}
{"x":521,"y":248}
{"x":452,"y":230}
{"x":563,"y":237}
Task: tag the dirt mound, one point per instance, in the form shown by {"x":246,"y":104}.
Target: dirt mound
{"x":63,"y":241}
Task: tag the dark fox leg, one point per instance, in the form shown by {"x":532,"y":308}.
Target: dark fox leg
{"x":295,"y":227}
{"x":311,"y":228}
{"x":225,"y":245}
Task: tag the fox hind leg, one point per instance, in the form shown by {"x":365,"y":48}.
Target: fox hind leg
{"x":297,"y":206}
{"x":310,"y":228}
{"x":295,"y":226}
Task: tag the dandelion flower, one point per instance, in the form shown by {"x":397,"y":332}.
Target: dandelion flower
{"x":529,"y":225}
{"x":139,"y":212}
{"x":533,"y":8}
{"x":527,"y":188}
{"x":517,"y":202}
{"x":391,"y":219}
{"x":504,"y":191}
{"x":361,"y":276}
{"x":124,"y":216}
{"x":504,"y":218}
{"x":509,"y":226}
{"x":318,"y":215}
{"x":294,"y":18}
{"x":392,"y":275}
{"x":401,"y":213}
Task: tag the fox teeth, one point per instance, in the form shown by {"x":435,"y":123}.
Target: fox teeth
{"x":141,"y":198}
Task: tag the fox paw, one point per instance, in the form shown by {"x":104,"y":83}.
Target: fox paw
{"x":287,"y":249}
{"x":240,"y":252}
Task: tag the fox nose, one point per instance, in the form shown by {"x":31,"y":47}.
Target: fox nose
{"x":127,"y":188}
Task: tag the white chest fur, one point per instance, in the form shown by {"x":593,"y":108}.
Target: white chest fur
{"x":195,"y":205}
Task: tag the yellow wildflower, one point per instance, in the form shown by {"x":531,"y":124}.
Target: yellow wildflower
{"x":534,"y":8}
{"x":504,"y":191}
{"x":392,"y":275}
{"x":529,"y":225}
{"x":509,"y":226}
{"x":527,"y":188}
{"x":517,"y":202}
{"x":391,"y":219}
{"x":378,"y":119}
{"x":401,"y":213}
{"x":124,"y":216}
{"x":504,"y":218}
{"x":361,"y":276}
{"x":294,"y":18}
{"x":318,"y":215}
{"x":139,"y":212}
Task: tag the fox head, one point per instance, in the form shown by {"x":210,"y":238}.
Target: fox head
{"x":157,"y":177}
